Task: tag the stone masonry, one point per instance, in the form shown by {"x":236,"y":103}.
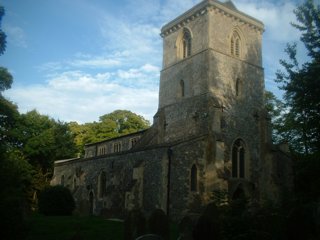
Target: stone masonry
{"x":210,"y":134}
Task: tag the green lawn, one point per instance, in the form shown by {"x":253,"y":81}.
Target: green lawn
{"x":78,"y":228}
{"x":73,"y":228}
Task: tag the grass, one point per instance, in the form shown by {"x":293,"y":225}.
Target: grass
{"x":78,"y":228}
{"x":73,"y":228}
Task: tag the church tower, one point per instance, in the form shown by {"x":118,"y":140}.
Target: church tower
{"x":211,"y":96}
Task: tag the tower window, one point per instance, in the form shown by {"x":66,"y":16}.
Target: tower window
{"x":235,"y":45}
{"x":238,"y":159}
{"x":194,"y":179}
{"x":186,"y":43}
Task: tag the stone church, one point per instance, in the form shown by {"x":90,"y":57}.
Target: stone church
{"x":210,"y":137}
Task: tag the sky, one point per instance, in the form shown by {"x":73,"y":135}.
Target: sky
{"x":76,"y":60}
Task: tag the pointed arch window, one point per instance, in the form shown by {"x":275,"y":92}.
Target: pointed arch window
{"x":238,"y":159}
{"x":186,"y":43}
{"x":235,"y":44}
{"x":102,"y":184}
{"x":194,"y":178}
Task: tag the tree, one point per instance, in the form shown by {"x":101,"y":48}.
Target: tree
{"x":275,"y":109}
{"x":15,"y":178}
{"x":5,"y":79}
{"x":45,"y":140}
{"x":2,"y":34}
{"x":301,"y":83}
{"x":126,"y":122}
{"x":15,"y":172}
{"x":56,"y":201}
{"x":115,"y":124}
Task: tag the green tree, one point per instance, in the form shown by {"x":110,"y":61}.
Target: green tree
{"x":5,"y":79}
{"x":15,"y":171}
{"x":125,"y":121}
{"x":276,"y":110}
{"x":56,"y":201}
{"x":15,"y":178}
{"x":45,"y":140}
{"x":300,"y":83}
{"x":115,"y":124}
{"x":3,"y":36}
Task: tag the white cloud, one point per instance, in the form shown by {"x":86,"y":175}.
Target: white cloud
{"x":140,"y":41}
{"x":150,"y":68}
{"x":95,"y":62}
{"x":276,"y":16}
{"x":83,"y":97}
{"x":82,"y":60}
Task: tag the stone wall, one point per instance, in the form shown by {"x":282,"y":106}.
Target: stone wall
{"x":132,"y":179}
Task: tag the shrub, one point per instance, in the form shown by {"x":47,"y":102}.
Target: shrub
{"x":56,"y":201}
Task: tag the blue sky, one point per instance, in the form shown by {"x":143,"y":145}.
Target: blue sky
{"x":76,"y":60}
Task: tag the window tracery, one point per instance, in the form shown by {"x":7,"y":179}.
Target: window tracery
{"x":235,"y":44}
{"x":186,"y":43}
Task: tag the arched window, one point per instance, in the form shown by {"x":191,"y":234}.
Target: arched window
{"x":181,"y":88}
{"x":238,"y":159}
{"x":186,"y":43}
{"x":194,"y":179}
{"x":235,"y":44}
{"x":102,"y":184}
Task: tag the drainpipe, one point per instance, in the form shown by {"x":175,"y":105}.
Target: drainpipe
{"x":169,"y":152}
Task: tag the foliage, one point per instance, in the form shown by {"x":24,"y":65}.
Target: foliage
{"x":307,"y":178}
{"x":15,"y":178}
{"x":45,"y":140}
{"x":15,"y":171}
{"x":5,"y":79}
{"x":301,"y":83}
{"x":276,"y":111}
{"x":3,"y":36}
{"x":115,"y":124}
{"x":56,"y":201}
{"x":9,"y":116}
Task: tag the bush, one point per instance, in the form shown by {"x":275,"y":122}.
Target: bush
{"x":56,"y":201}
